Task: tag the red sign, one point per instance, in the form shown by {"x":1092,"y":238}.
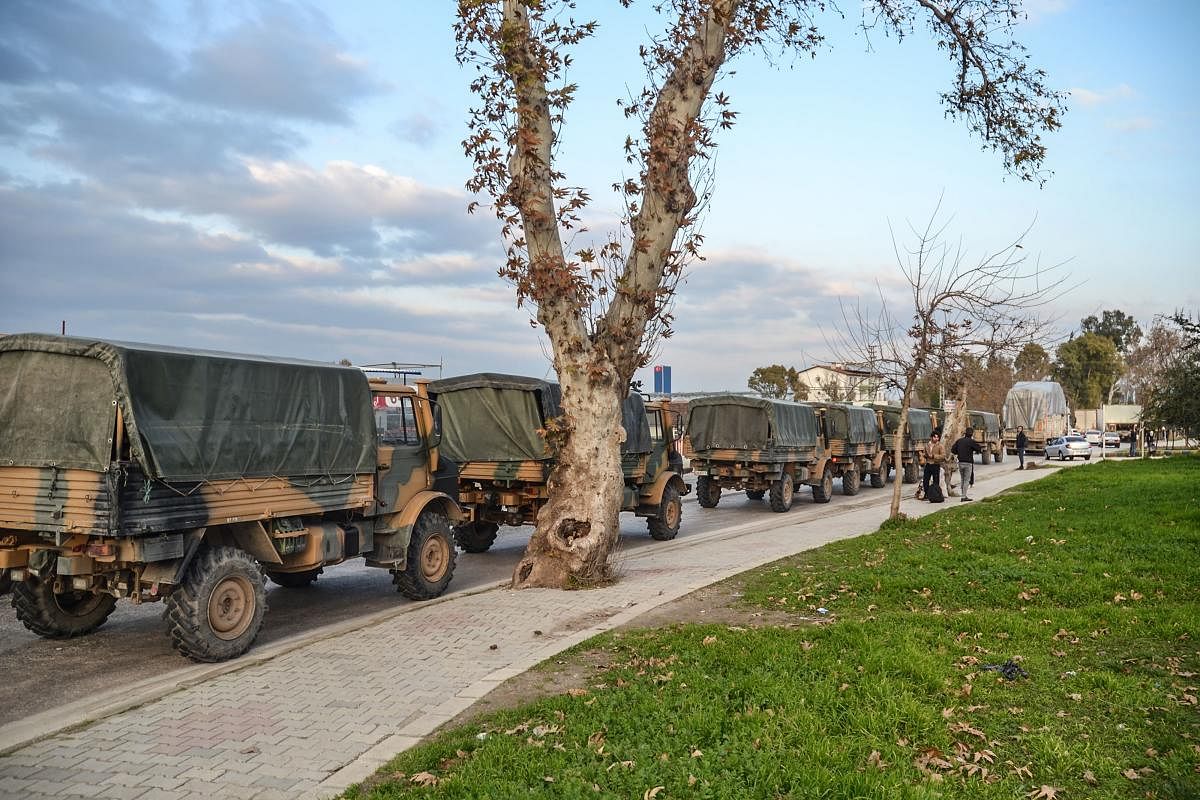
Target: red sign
{"x":382,"y":402}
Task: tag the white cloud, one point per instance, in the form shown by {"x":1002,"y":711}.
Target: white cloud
{"x":1132,"y":124}
{"x":1089,"y":98}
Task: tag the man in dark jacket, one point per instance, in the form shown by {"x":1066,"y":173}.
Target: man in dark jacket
{"x":1022,"y":443}
{"x":966,"y":448}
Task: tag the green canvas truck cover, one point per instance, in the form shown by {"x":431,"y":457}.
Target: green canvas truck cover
{"x":737,"y":422}
{"x":920,"y":422}
{"x":986,"y":421}
{"x":191,"y":415}
{"x":493,"y":417}
{"x":855,"y":424}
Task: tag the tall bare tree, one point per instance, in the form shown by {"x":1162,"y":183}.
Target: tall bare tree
{"x":960,"y":311}
{"x":603,"y":305}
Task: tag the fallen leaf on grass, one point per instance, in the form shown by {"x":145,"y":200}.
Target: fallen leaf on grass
{"x":709,"y":640}
{"x":1089,"y":778}
{"x":576,"y":692}
{"x":876,"y":761}
{"x":424,"y":779}
{"x":1132,"y":774}
{"x":807,"y":646}
{"x":697,"y":753}
{"x":652,"y":793}
{"x":1045,"y":793}
{"x":691,"y":780}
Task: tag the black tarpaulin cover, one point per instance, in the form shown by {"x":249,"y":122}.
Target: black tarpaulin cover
{"x":855,"y":424}
{"x":191,"y":414}
{"x":737,"y":422}
{"x":492,"y":417}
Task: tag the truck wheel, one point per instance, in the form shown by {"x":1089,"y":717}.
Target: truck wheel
{"x":1000,"y":456}
{"x":665,"y":526}
{"x":295,"y":580}
{"x":5,"y":582}
{"x":823,"y":491}
{"x":430,"y":559}
{"x":756,"y":494}
{"x":879,"y":479}
{"x":59,"y":616}
{"x":910,"y":472}
{"x":217,"y":610}
{"x":476,"y":537}
{"x":985,"y":457}
{"x":708,"y":492}
{"x":781,"y":493}
{"x":851,"y":481}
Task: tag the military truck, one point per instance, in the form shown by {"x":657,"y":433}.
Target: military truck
{"x":756,"y":444}
{"x":1040,"y":407}
{"x":850,"y":437}
{"x":156,"y":473}
{"x":987,"y":432}
{"x":493,"y":431}
{"x":912,"y":451}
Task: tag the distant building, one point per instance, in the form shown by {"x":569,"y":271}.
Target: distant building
{"x":842,"y":383}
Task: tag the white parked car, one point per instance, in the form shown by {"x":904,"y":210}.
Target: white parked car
{"x":1094,"y":437}
{"x":1112,"y":439}
{"x":1067,"y":447}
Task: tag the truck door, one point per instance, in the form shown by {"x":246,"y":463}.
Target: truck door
{"x":403,"y":453}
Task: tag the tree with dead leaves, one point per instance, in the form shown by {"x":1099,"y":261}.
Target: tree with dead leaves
{"x":961,"y":312}
{"x":604,"y":305}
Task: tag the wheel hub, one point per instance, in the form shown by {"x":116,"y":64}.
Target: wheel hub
{"x":435,"y":554}
{"x":231,"y":607}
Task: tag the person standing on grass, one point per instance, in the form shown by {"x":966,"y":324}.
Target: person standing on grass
{"x":1022,"y":443}
{"x":966,"y":448}
{"x":935,"y":454}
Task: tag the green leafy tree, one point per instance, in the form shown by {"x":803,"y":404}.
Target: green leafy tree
{"x":775,"y":381}
{"x":1032,"y":363}
{"x":1173,"y":399}
{"x":1087,"y":367}
{"x":1116,"y":325}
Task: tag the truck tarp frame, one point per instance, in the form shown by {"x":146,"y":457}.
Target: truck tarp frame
{"x":493,"y":417}
{"x":737,"y":422}
{"x":191,"y":415}
{"x":855,"y":424}
{"x":1029,"y":402}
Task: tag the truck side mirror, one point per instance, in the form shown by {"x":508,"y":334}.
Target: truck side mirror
{"x":435,"y":435}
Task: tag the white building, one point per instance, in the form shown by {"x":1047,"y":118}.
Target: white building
{"x":841,"y":383}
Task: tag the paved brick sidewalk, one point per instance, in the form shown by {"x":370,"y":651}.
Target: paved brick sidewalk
{"x":316,"y":719}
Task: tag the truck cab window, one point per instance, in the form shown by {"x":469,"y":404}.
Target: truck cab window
{"x":396,"y":420}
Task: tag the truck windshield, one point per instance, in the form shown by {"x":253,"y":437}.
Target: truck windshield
{"x":395,"y":420}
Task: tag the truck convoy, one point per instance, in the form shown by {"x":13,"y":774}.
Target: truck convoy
{"x":1040,"y":407}
{"x":493,"y":426}
{"x":912,"y":451}
{"x":184,"y":476}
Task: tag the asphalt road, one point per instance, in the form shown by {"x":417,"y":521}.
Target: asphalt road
{"x":41,"y":674}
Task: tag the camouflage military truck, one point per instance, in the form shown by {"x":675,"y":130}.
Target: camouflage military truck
{"x":912,"y":452}
{"x":760,"y":445}
{"x":152,"y":473}
{"x":987,"y":433}
{"x":850,"y":437}
{"x":493,"y":431}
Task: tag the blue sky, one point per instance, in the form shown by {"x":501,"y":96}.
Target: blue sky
{"x":288,"y":179}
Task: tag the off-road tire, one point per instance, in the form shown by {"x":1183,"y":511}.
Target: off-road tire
{"x":430,"y":564}
{"x":851,"y":482}
{"x":1087,"y":458}
{"x":59,"y":616}
{"x":217,"y":610}
{"x":999,"y":454}
{"x":782,"y":491}
{"x":295,"y":580}
{"x":476,"y":537}
{"x":879,"y":479}
{"x":708,"y":492}
{"x":910,"y":472}
{"x":665,"y":526}
{"x":5,"y":582}
{"x":756,"y":494}
{"x":985,"y":457}
{"x":823,"y":491}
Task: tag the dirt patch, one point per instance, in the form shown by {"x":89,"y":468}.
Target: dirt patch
{"x":719,"y":604}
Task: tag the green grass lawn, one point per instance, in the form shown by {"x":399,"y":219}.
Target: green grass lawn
{"x":1088,"y":580}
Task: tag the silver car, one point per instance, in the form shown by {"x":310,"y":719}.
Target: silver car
{"x":1067,"y":447}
